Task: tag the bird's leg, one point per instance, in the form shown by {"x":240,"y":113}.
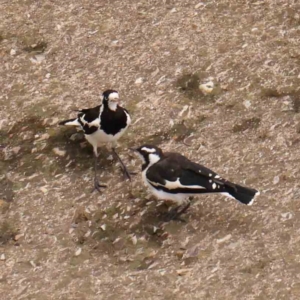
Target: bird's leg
{"x":124,"y":169}
{"x":97,"y":185}
{"x":176,"y":212}
{"x":184,"y":209}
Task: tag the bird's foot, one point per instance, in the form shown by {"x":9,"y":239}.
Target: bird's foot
{"x":175,"y":213}
{"x":97,"y":186}
{"x":127,"y":173}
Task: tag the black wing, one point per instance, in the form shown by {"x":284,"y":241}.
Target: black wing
{"x":86,"y":118}
{"x":177,"y":174}
{"x":90,"y":114}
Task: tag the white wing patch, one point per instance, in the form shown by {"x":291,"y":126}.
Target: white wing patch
{"x":73,"y":123}
{"x":95,"y":123}
{"x":128,"y":118}
{"x":171,"y":185}
{"x":83,"y":120}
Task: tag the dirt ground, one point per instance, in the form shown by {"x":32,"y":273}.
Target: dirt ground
{"x":60,"y":241}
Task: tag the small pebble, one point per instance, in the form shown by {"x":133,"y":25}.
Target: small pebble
{"x":182,"y":272}
{"x":287,"y":216}
{"x":139,"y":81}
{"x":2,"y":257}
{"x":276,"y":180}
{"x":37,"y":59}
{"x":33,"y":263}
{"x":13,"y":52}
{"x":78,"y":252}
{"x":43,"y":137}
{"x":59,"y":152}
{"x":18,"y":236}
{"x":199,"y":5}
{"x":247,"y":103}
{"x":134,"y":240}
{"x":44,"y":190}
{"x":206,"y":88}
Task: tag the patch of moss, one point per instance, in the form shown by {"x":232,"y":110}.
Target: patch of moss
{"x":188,"y":82}
{"x":270,"y":92}
{"x":81,"y":215}
{"x":278,"y":92}
{"x":6,"y":189}
{"x":35,"y":47}
{"x":189,"y":85}
{"x":111,"y":232}
{"x":252,"y":123}
{"x":296,"y":101}
{"x":7,"y":232}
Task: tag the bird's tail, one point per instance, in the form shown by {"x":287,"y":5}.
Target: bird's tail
{"x":70,"y":122}
{"x":242,"y":194}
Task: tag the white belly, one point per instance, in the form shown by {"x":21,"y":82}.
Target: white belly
{"x":99,"y":137}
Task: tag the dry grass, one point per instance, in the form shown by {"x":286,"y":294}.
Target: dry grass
{"x":59,"y":241}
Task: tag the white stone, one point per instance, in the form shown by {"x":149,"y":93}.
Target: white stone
{"x":59,"y":152}
{"x":13,"y":52}
{"x":224,"y":239}
{"x":247,"y":103}
{"x":276,"y":180}
{"x":139,"y":81}
{"x":206,"y":88}
{"x":78,"y":252}
{"x":199,"y":5}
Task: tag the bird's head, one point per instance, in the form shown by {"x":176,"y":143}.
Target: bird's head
{"x":110,"y":98}
{"x":149,"y":154}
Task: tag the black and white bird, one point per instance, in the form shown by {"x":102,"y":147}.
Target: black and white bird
{"x":173,"y":177}
{"x":105,"y":123}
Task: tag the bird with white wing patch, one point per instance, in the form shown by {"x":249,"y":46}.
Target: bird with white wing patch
{"x":173,"y":177}
{"x":105,"y":123}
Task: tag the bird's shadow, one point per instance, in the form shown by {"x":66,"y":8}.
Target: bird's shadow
{"x":30,"y":146}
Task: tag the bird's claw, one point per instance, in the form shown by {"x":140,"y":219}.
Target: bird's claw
{"x":127,"y":174}
{"x":173,"y":216}
{"x":176,"y":212}
{"x":97,"y":186}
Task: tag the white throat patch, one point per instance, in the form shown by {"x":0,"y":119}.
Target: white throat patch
{"x":153,"y":158}
{"x":112,"y":105}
